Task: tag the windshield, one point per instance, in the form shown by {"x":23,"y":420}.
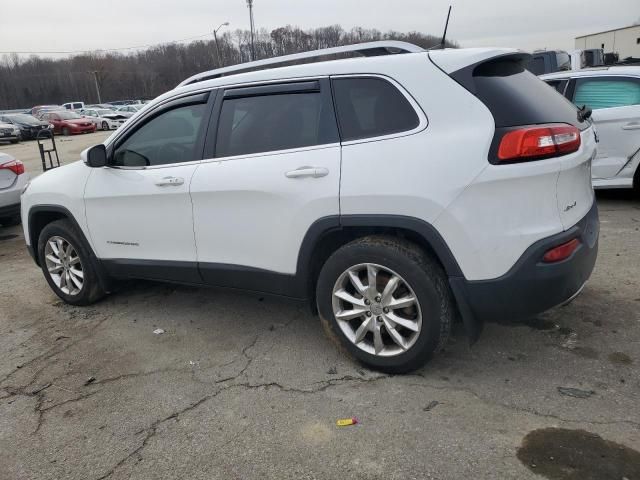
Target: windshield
{"x":68,"y":115}
{"x":22,"y":118}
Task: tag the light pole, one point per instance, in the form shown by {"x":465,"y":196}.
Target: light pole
{"x":215,"y":39}
{"x":253,"y":49}
{"x":95,"y":79}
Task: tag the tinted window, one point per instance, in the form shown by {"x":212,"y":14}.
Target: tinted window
{"x":371,"y":107}
{"x":273,"y":122}
{"x":517,"y":97}
{"x":607,"y":92}
{"x":171,"y":137}
{"x":564,"y":61}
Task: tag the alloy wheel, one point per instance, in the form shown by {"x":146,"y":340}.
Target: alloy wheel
{"x":377,"y":310}
{"x":64,"y":265}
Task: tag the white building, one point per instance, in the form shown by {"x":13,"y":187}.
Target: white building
{"x":623,"y":41}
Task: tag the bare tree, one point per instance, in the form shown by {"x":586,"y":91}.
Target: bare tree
{"x":25,"y":82}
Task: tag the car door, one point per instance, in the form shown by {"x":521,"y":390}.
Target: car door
{"x":138,"y":208}
{"x":53,"y":119}
{"x":272,"y":168}
{"x":615,"y":101}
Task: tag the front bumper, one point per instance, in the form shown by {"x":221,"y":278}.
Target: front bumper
{"x":531,"y":286}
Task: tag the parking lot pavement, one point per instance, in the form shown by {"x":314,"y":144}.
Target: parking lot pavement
{"x":69,"y":149}
{"x":248,"y":387}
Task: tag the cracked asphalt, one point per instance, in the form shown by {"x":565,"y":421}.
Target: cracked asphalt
{"x":244,"y":387}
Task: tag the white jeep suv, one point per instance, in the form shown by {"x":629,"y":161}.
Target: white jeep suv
{"x":394,"y":192}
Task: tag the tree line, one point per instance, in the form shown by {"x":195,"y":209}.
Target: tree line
{"x":25,"y":82}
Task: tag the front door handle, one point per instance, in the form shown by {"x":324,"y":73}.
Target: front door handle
{"x":313,"y":172}
{"x":631,"y":126}
{"x":169,"y":181}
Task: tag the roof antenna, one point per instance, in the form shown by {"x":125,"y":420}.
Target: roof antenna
{"x":446,"y":25}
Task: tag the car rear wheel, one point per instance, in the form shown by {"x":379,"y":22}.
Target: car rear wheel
{"x":68,"y":265}
{"x":105,"y":126}
{"x":66,"y":132}
{"x":387,"y":303}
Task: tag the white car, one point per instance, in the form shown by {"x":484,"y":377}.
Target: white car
{"x":392,"y":191}
{"x":13,"y":179}
{"x":130,"y":110}
{"x":613,"y":94}
{"x":104,"y":119}
{"x":9,"y":133}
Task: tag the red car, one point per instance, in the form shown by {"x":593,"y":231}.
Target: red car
{"x":68,"y":123}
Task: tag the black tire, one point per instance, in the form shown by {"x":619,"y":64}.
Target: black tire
{"x":66,"y":132}
{"x":91,"y":290}
{"x":10,"y":221}
{"x":14,"y":141}
{"x":421,"y":272}
{"x":105,"y":126}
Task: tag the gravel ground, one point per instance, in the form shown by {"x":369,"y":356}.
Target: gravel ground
{"x":249,"y":388}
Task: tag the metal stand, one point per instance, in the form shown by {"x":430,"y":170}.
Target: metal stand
{"x":53,"y":163}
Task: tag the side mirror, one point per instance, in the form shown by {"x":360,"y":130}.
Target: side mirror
{"x":95,"y":157}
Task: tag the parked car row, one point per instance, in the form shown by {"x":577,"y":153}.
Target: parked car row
{"x":28,"y":127}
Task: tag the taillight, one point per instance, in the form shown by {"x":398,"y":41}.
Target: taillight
{"x":532,"y":143}
{"x":16,"y":166}
{"x":561,"y":252}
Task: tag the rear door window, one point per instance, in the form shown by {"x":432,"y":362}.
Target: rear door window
{"x":371,"y":107}
{"x":271,"y":122}
{"x":607,"y":92}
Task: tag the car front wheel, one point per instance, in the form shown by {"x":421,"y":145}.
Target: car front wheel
{"x":105,"y":126}
{"x":386,"y":301}
{"x":68,"y":265}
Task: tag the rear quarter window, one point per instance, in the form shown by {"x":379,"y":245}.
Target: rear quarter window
{"x":371,"y":107}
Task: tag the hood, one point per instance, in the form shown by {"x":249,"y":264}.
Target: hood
{"x":31,"y":123}
{"x":115,"y":116}
{"x":78,"y":121}
{"x":6,"y":125}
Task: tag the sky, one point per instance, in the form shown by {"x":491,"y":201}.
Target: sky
{"x":67,"y":25}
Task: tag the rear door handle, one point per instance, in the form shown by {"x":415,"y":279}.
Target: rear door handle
{"x":631,"y":126}
{"x":314,"y":172}
{"x":169,"y":181}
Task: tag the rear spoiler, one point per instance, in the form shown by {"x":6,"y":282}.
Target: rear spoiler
{"x":461,"y":68}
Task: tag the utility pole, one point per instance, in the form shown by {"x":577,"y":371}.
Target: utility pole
{"x":215,"y":39}
{"x":95,"y":79}
{"x":253,"y":48}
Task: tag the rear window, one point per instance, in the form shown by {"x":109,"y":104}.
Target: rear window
{"x":536,"y":66}
{"x":564,"y":61}
{"x":517,"y":97}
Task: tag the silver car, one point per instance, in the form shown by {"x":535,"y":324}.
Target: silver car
{"x":613,"y":94}
{"x":13,"y":179}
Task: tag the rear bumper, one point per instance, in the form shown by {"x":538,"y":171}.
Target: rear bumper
{"x":10,"y":210}
{"x":531,"y":287}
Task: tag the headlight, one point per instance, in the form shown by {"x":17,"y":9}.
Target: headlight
{"x":50,"y":126}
